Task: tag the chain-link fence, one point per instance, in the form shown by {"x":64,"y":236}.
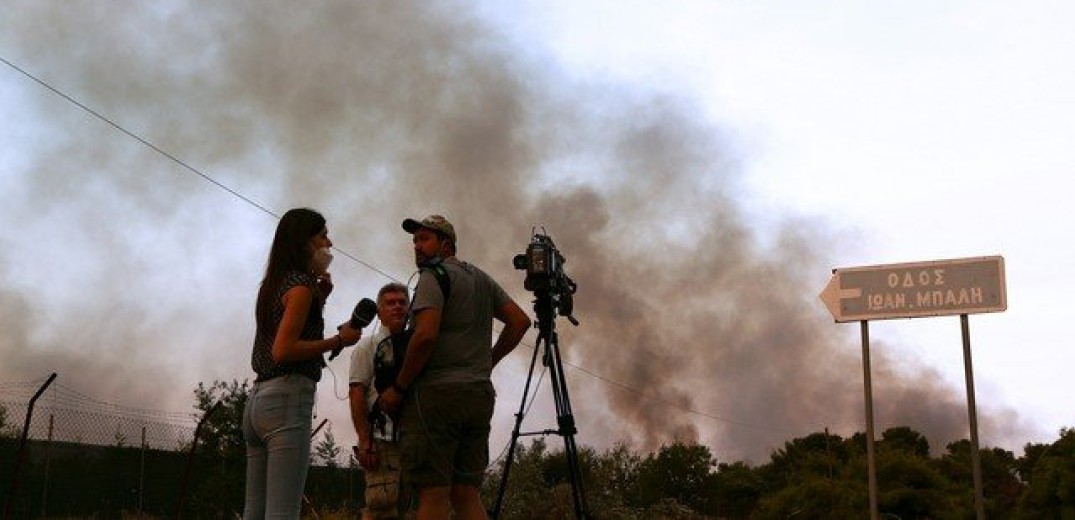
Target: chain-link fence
{"x":62,"y":414}
{"x":85,"y":456}
{"x":89,"y":458}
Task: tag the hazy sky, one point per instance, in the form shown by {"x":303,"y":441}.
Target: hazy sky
{"x":702,"y":165}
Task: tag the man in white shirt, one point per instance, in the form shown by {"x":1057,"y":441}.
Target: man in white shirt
{"x":377,"y":450}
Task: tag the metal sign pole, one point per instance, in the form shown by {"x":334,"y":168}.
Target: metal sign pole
{"x":972,"y":412}
{"x":871,"y":464}
{"x":910,"y":290}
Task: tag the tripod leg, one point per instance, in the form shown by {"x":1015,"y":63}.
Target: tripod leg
{"x":566,"y":423}
{"x":577,"y":491}
{"x":515,"y":432}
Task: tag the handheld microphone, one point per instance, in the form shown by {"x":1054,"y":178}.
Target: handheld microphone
{"x":360,"y":317}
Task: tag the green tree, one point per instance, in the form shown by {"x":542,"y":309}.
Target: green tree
{"x":816,"y":455}
{"x":815,"y":497}
{"x":1032,"y":453}
{"x":222,"y":433}
{"x":539,"y":485}
{"x":526,"y":495}
{"x":119,"y":438}
{"x":613,"y":485}
{"x":817,"y":476}
{"x":556,"y":469}
{"x":327,"y":451}
{"x":824,"y":476}
{"x":679,"y":471}
{"x":221,"y":461}
{"x":910,"y":487}
{"x":1000,"y":484}
{"x":736,"y":489}
{"x":903,"y":438}
{"x":1050,"y":475}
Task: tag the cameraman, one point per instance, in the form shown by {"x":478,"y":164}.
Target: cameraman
{"x":444,"y":389}
{"x":378,"y":449}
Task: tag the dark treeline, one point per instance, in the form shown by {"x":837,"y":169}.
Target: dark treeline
{"x":821,"y":475}
{"x":817,"y":476}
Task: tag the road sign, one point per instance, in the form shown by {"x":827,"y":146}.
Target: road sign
{"x":911,"y":290}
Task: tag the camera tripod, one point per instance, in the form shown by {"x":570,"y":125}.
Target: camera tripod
{"x":549,"y":346}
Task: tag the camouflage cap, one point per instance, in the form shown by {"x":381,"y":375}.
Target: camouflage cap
{"x":433,"y":222}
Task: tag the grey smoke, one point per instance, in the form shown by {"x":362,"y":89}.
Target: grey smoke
{"x":139,"y":279}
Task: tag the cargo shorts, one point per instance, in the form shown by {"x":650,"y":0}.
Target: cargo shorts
{"x":444,"y":434}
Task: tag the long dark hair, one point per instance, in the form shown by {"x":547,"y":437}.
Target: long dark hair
{"x":290,"y":251}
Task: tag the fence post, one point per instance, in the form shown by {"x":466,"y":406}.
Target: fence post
{"x":48,"y":463}
{"x":22,"y":446}
{"x":142,"y":475}
{"x":306,"y":499}
{"x":190,"y":459}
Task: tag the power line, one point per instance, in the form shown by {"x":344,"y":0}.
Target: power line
{"x":137,"y":138}
{"x":173,"y":158}
{"x":347,"y":254}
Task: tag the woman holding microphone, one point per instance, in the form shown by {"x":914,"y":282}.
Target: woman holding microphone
{"x":287,"y":357}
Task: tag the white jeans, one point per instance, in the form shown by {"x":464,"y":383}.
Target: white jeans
{"x":277,"y":422}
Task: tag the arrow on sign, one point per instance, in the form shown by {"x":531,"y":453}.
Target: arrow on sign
{"x":833,"y":293}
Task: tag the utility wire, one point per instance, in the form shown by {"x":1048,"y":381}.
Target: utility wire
{"x":347,"y":254}
{"x":137,"y":138}
{"x":172,"y":158}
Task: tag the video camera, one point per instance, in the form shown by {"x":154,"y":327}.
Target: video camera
{"x":545,"y":275}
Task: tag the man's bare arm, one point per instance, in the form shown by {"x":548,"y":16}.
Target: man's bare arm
{"x":516,"y":323}
{"x":359,"y":417}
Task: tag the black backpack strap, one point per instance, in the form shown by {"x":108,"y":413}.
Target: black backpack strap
{"x":443,"y":281}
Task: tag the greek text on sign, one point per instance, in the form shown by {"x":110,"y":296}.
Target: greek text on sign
{"x":937,"y":288}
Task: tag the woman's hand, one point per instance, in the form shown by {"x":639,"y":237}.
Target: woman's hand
{"x":324,"y":284}
{"x":348,"y":334}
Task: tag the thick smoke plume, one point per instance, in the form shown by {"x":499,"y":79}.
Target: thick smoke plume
{"x":140,"y":277}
